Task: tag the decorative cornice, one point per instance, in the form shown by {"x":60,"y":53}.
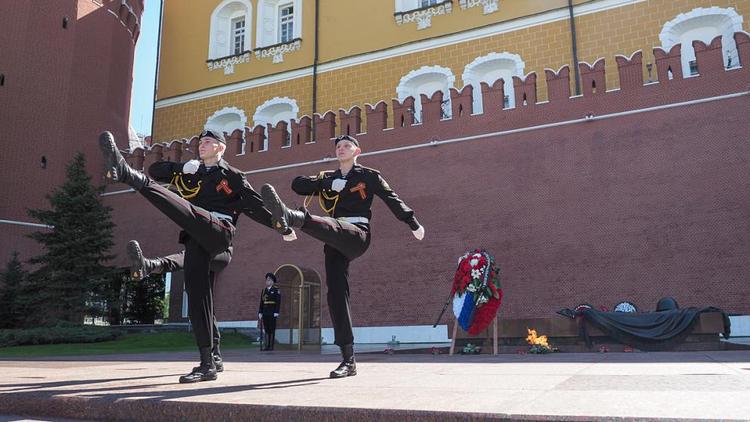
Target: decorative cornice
{"x":277,"y":51}
{"x":489,"y":5}
{"x":227,"y":63}
{"x":423,"y":16}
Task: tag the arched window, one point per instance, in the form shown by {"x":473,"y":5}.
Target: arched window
{"x":227,"y":120}
{"x":427,"y":80}
{"x":272,"y":112}
{"x":279,"y":22}
{"x":231,"y":24}
{"x":703,"y":24}
{"x":489,"y":69}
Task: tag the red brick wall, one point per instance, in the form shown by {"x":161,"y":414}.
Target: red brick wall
{"x":631,"y":207}
{"x":62,"y":87}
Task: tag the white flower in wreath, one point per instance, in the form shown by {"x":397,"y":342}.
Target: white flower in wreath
{"x":476,"y":273}
{"x":474,"y":262}
{"x":471,"y":287}
{"x":477,"y":255}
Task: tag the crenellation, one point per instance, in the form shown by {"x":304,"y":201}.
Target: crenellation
{"x":432,"y":110}
{"x":558,"y":84}
{"x":630,"y":70}
{"x":351,"y":121}
{"x":403,"y":112}
{"x":462,"y":103}
{"x":709,"y":57}
{"x":742,"y":39}
{"x":668,"y":63}
{"x":493,"y":95}
{"x":593,"y":77}
{"x":325,"y":126}
{"x":525,"y":90}
{"x":294,"y":141}
{"x":377,"y":117}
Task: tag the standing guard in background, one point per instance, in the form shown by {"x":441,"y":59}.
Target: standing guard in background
{"x":211,"y":195}
{"x":268,"y":310}
{"x":345,"y":232}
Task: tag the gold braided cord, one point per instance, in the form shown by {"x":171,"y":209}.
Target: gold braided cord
{"x":323,"y":195}
{"x":182,"y":189}
{"x":334,"y":198}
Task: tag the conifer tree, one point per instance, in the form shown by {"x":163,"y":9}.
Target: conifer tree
{"x":11,"y":282}
{"x":71,"y":279}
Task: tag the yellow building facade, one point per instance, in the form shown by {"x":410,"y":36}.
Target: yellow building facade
{"x":240,"y":63}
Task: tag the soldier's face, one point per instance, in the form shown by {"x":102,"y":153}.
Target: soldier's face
{"x":269,"y":282}
{"x":209,"y":148}
{"x":346,"y":150}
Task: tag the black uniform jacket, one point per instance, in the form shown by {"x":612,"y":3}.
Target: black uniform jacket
{"x":355,"y":200}
{"x":270,"y":301}
{"x":223,"y":189}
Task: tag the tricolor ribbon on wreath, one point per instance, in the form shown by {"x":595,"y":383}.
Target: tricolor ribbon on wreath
{"x":476,"y":291}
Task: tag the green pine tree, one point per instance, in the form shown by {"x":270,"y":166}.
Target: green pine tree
{"x":72,"y":279}
{"x":11,"y":283}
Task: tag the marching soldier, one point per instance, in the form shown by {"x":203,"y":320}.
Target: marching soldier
{"x":346,"y":195}
{"x":211,"y":195}
{"x":268,"y":310}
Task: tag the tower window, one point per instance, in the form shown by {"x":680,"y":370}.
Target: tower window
{"x":238,"y":35}
{"x":65,"y":22}
{"x":286,"y":23}
{"x":2,"y":79}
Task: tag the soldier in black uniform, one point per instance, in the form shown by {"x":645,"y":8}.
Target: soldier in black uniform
{"x":346,"y":195}
{"x":210,"y":197}
{"x":268,"y":310}
{"x":141,"y":267}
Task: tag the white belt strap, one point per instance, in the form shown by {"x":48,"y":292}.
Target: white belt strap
{"x":355,"y":220}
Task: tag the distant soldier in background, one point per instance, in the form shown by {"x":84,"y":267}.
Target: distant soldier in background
{"x":268,"y":310}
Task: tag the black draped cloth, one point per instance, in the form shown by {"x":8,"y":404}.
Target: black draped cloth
{"x":645,"y":330}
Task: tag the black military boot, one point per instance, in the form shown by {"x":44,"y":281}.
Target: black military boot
{"x":271,"y":341}
{"x":347,"y":368}
{"x":117,"y":169}
{"x":283,"y":218}
{"x":218,"y":361}
{"x":205,"y":372}
{"x":141,"y":267}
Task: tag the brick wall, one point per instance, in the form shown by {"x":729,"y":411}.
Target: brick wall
{"x":633,"y":206}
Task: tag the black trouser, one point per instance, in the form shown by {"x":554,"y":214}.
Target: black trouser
{"x":344,"y":242}
{"x":176,"y":262}
{"x":207,"y":237}
{"x":269,"y":328}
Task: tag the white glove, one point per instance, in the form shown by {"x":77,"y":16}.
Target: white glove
{"x":419,"y":233}
{"x":289,"y":237}
{"x":338,"y":184}
{"x":260,"y":316}
{"x":276,"y":315}
{"x":191,"y":167}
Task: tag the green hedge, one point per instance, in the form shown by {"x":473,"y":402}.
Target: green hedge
{"x":61,"y":333}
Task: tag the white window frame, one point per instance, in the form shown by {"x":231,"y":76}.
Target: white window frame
{"x":221,"y":28}
{"x":276,"y":106}
{"x":405,"y":88}
{"x":239,"y":33}
{"x":268,"y":25}
{"x":702,"y":24}
{"x":286,"y":20}
{"x":228,"y":119}
{"x":508,"y":65}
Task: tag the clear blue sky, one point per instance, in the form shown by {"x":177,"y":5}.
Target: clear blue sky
{"x":142,"y":100}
